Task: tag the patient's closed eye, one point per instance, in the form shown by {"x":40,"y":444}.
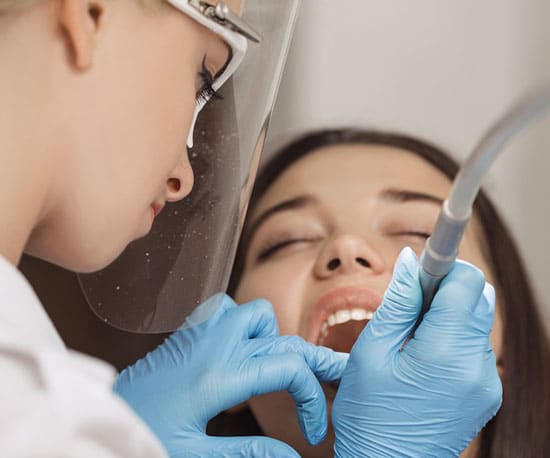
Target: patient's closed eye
{"x":408,"y":223}
{"x":410,"y":237}
{"x":419,"y":234}
{"x":271,"y":248}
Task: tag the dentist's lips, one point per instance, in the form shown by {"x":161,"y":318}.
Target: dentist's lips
{"x":339,"y":316}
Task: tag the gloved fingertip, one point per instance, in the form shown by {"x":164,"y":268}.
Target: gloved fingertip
{"x":317,"y":437}
{"x":407,"y":262}
{"x":467,"y":274}
{"x":312,"y":416}
{"x":400,"y":306}
{"x":404,"y":286}
{"x":315,"y":430}
{"x":261,"y":319}
{"x":341,"y":358}
{"x":214,"y":306}
{"x":328,"y":365}
{"x":462,"y":287}
{"x":338,"y":366}
{"x":490,"y":294}
{"x":485,"y":308}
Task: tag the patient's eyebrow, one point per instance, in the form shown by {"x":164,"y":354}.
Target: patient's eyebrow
{"x":294,"y":203}
{"x":403,"y":195}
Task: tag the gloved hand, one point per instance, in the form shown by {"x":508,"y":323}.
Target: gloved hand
{"x":203,"y":369}
{"x":431,"y":398}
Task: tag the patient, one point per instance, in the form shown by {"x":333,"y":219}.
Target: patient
{"x":328,"y":217}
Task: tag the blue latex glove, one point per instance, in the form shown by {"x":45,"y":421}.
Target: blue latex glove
{"x":431,"y":398}
{"x":204,"y":369}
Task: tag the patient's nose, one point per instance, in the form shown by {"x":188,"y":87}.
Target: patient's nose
{"x":346,"y":254}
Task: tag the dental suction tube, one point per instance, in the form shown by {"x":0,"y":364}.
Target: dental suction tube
{"x":441,"y":248}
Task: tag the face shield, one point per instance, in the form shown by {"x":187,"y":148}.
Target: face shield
{"x":188,"y":255}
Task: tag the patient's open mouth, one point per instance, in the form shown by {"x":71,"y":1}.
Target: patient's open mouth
{"x":340,"y":315}
{"x":342,"y":329}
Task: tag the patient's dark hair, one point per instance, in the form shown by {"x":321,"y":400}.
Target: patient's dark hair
{"x":522,"y":427}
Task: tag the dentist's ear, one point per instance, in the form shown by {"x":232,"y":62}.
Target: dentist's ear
{"x":81,"y":21}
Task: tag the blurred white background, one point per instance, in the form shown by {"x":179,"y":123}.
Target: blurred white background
{"x":441,"y":70}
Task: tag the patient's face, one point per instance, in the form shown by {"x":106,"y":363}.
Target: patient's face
{"x":330,"y":229}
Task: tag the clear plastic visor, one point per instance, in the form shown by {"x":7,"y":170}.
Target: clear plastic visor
{"x":160,"y":279}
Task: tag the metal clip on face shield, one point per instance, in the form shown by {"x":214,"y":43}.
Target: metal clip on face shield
{"x":159,"y":280}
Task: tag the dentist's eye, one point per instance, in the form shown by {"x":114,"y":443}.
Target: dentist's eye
{"x":206,"y":92}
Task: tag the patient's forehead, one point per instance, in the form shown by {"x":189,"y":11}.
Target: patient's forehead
{"x":355,"y":172}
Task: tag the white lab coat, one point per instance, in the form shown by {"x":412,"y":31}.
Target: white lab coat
{"x":55,"y":402}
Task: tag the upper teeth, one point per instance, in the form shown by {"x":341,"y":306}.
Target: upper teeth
{"x":343,"y":316}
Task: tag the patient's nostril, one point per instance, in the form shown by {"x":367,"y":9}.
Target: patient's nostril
{"x":362,"y":262}
{"x":333,"y":264}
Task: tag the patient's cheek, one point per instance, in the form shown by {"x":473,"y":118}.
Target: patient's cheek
{"x":284,"y":287}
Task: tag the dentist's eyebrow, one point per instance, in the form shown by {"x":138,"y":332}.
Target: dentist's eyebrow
{"x":295,"y":203}
{"x":402,"y":195}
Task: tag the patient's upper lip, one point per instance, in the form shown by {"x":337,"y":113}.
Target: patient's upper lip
{"x":347,"y":298}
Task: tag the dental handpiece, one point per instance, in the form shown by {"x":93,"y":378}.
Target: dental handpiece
{"x":441,"y":248}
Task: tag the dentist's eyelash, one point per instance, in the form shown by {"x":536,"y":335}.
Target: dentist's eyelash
{"x":206,"y":92}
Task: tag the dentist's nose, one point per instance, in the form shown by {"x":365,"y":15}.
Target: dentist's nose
{"x":180,"y":182}
{"x":347,"y":254}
